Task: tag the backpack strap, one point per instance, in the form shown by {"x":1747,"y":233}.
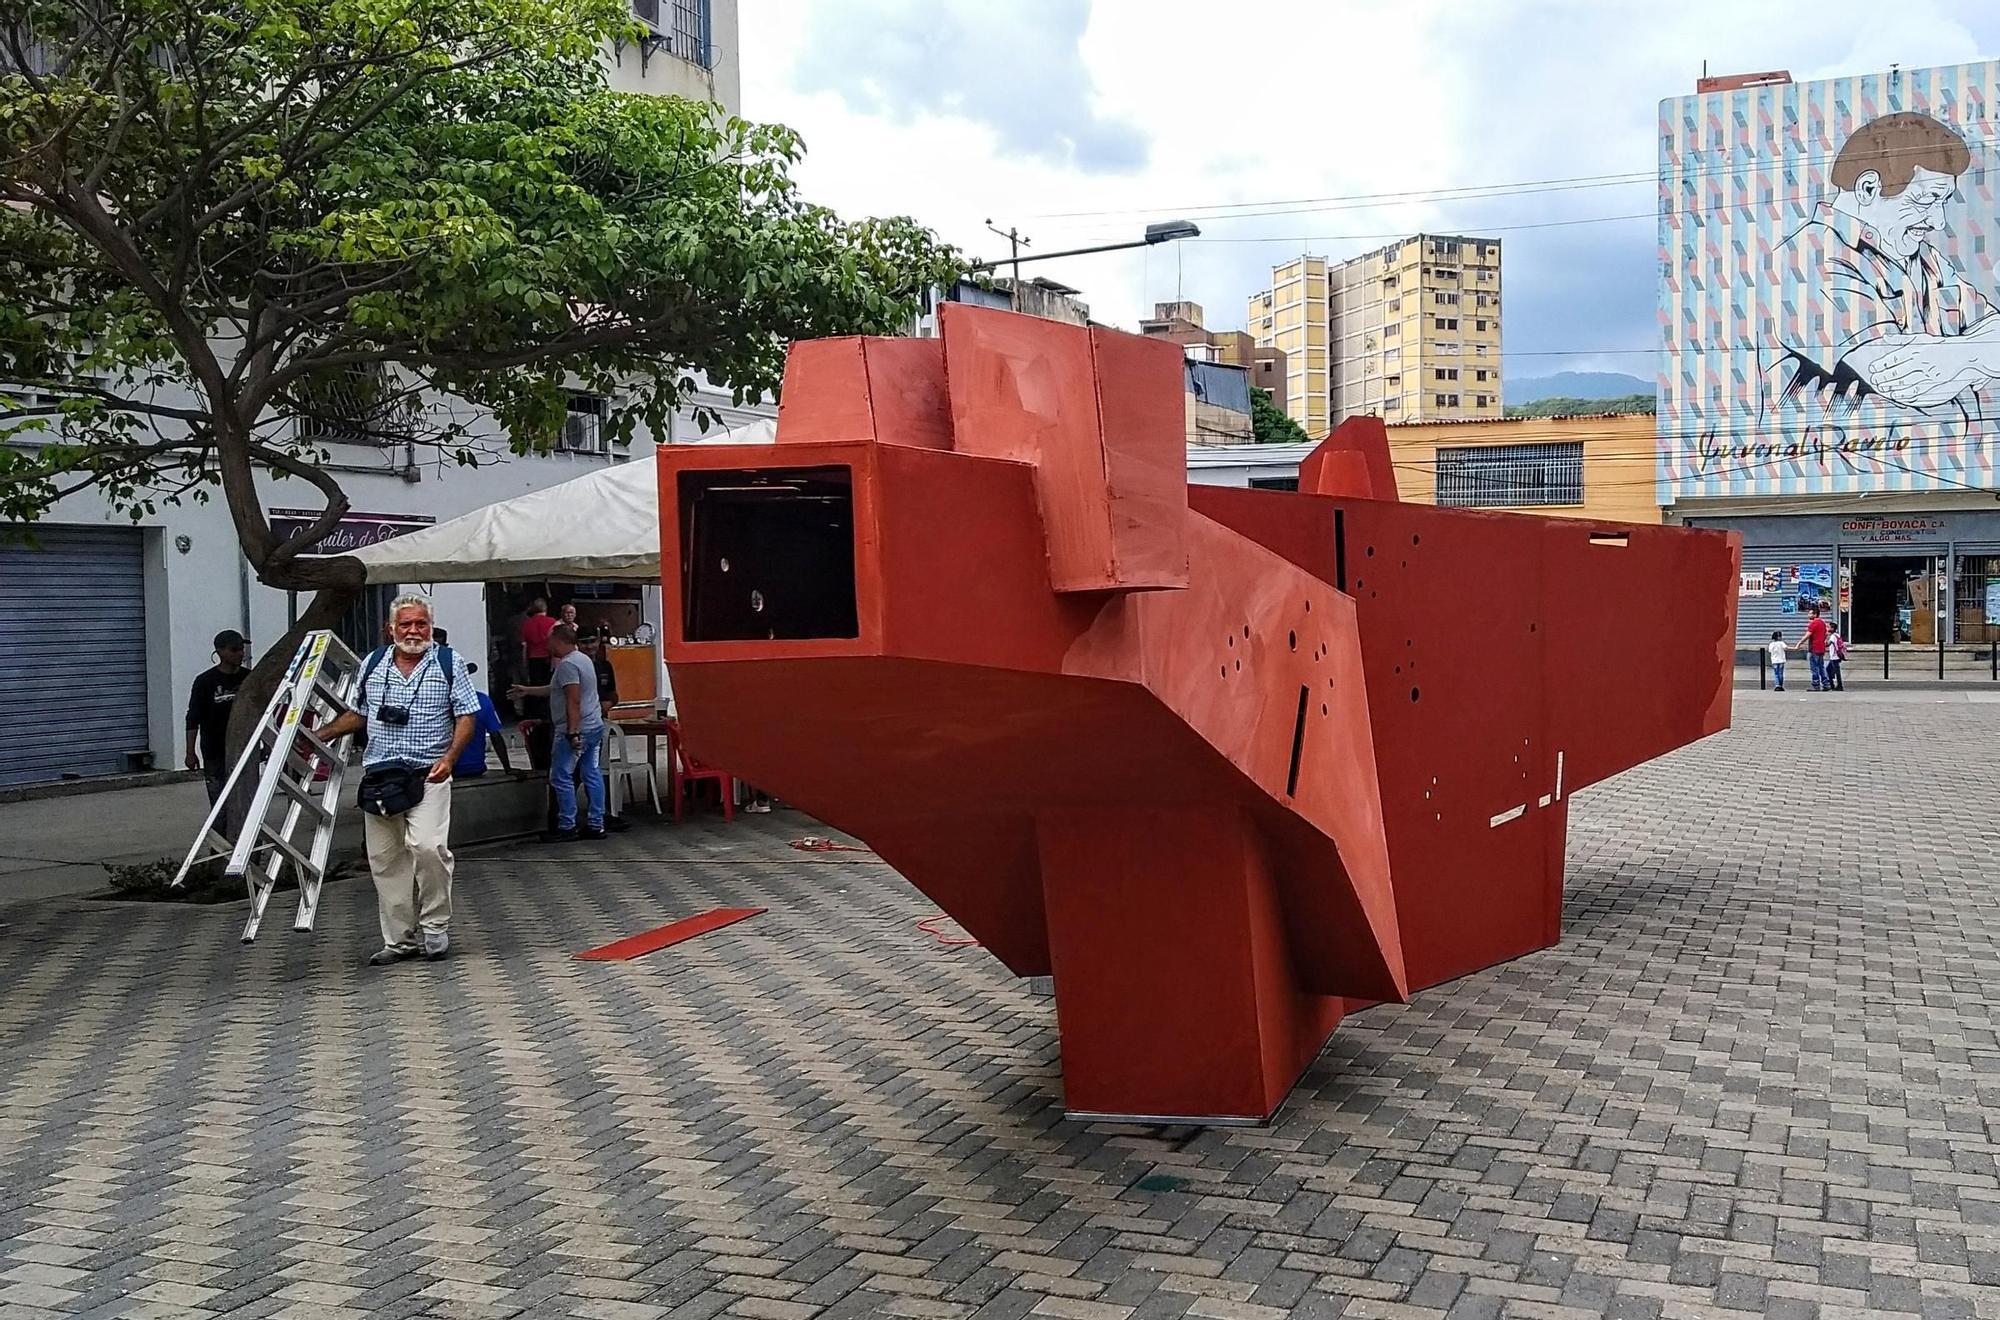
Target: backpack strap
{"x":375,"y":658}
{"x":447,"y":665}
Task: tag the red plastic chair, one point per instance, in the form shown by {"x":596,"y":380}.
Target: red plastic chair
{"x":684,"y":770}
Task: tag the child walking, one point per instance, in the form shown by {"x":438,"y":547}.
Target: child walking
{"x":1836,"y":651}
{"x":1777,"y":649}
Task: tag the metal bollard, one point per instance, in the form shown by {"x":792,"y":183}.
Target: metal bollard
{"x":1763,"y":662}
{"x":1885,"y":655}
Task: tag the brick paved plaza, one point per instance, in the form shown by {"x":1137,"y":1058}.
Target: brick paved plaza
{"x":1760,"y":1075}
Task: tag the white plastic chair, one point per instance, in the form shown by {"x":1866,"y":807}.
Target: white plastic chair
{"x":619,"y":769}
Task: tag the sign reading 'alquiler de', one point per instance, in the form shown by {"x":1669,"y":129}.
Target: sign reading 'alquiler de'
{"x":355,"y":532}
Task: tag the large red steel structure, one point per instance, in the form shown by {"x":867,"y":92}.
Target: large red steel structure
{"x":1227,"y":763}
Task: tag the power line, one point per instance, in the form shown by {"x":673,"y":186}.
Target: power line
{"x":1570,"y":183}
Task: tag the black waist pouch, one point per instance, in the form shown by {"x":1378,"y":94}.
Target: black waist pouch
{"x":391,"y":790}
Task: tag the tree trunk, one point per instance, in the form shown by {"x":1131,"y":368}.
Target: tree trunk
{"x":328,"y":604}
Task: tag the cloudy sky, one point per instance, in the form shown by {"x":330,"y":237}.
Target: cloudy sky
{"x":1288,"y":126}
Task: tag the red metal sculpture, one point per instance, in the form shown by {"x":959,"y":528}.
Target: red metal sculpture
{"x":1227,"y":763}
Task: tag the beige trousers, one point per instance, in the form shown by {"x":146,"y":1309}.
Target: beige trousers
{"x":411,"y":863}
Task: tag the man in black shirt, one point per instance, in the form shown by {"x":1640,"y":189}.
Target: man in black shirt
{"x":210,"y":700}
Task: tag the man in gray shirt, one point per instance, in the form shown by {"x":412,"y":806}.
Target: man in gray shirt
{"x":578,"y":723}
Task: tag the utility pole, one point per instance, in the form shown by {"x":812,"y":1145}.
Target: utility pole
{"x":1015,"y":242}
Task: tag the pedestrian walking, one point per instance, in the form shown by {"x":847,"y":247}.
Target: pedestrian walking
{"x":211,"y":698}
{"x":1814,"y":643}
{"x":577,"y":721}
{"x":1836,"y":654}
{"x":418,"y":706}
{"x":1777,"y":650}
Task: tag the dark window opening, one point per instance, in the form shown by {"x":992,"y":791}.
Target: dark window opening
{"x":767,"y":555}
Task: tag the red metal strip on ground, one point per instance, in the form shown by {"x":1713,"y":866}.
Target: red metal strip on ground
{"x":632,"y":946}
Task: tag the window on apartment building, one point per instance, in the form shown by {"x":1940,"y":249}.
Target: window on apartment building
{"x":1392,"y":403}
{"x":1479,"y":325}
{"x":1479,"y":375}
{"x":353,"y":405}
{"x":1481,"y":300}
{"x":1479,"y":350}
{"x":1439,"y":400}
{"x":1451,"y":401}
{"x":1446,"y":348}
{"x":1446,"y":373}
{"x":1447,"y":322}
{"x":1510,"y":476}
{"x":681,"y":27}
{"x":1391,"y":330}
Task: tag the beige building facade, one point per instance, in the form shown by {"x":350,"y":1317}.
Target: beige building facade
{"x":1292,"y":316}
{"x":1409,"y":332}
{"x":1573,"y":467}
{"x":1416,"y":331}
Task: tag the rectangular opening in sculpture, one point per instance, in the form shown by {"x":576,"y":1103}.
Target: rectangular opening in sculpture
{"x":767,"y":554}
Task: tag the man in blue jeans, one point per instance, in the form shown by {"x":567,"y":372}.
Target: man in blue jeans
{"x":577,"y":721}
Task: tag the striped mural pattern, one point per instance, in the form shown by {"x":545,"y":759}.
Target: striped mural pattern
{"x":1742,"y":171}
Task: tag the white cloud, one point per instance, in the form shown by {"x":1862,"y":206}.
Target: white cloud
{"x":1026,"y":113}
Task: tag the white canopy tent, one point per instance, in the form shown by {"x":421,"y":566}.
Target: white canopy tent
{"x":599,"y":526}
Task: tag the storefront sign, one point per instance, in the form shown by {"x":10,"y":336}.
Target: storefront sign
{"x":355,"y":532}
{"x":1891,"y":531}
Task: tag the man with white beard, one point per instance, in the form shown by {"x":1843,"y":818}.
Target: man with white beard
{"x":418,"y":718}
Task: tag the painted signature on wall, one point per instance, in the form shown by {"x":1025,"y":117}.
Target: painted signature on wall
{"x":1817,"y":444}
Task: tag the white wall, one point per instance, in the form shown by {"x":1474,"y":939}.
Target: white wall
{"x":666,"y":74}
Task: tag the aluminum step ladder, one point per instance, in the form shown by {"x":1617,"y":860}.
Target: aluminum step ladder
{"x":299,"y":772}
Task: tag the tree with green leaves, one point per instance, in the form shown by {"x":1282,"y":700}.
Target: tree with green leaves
{"x":1270,"y":425}
{"x":232,"y":226}
{"x":1566,"y":406}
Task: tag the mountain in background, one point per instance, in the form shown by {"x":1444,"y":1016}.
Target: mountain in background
{"x":1575,"y":385}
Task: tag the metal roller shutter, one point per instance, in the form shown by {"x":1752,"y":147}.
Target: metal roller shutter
{"x":72,"y":653}
{"x":1757,"y":617}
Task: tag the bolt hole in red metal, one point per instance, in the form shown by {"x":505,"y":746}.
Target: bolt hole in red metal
{"x":1292,"y":640}
{"x":1414,"y":693}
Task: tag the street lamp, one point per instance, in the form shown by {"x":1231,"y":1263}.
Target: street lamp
{"x":1160,"y":231}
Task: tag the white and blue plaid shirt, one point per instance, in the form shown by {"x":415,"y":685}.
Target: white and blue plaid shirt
{"x":434,"y":701}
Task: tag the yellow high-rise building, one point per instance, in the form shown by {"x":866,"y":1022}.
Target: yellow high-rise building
{"x":1409,"y":332}
{"x":1292,"y":315}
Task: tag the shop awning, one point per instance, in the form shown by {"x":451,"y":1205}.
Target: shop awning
{"x":602,"y":525}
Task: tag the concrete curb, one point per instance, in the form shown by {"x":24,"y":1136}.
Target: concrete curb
{"x":63,"y":788}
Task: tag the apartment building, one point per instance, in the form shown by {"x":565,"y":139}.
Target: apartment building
{"x":1409,"y":332}
{"x":1293,"y":316}
{"x":1416,"y":331}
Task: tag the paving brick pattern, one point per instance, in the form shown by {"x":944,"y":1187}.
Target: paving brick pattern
{"x":1760,"y":1076}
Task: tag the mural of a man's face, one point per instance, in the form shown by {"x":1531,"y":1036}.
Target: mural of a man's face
{"x":1905,"y":222}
